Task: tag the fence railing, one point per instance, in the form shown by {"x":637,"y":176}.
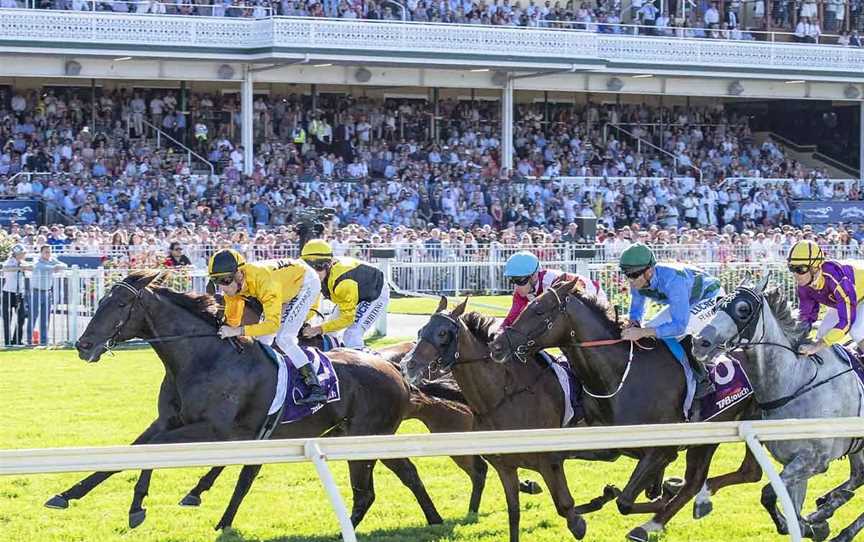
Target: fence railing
{"x":59,"y":315}
{"x":319,"y":451}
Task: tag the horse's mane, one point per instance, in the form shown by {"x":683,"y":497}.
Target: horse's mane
{"x":604,"y":311}
{"x":795,"y":331}
{"x":480,"y":326}
{"x":204,"y":306}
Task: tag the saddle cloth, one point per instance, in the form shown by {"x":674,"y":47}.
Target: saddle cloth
{"x":291,"y":387}
{"x":570,"y":385}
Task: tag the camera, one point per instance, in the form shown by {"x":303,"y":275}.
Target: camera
{"x":310,"y":223}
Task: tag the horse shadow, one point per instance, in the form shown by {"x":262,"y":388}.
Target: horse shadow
{"x":420,"y":533}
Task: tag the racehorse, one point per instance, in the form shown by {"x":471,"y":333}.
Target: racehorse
{"x":791,"y":386}
{"x":438,"y":404}
{"x":214,"y":391}
{"x":500,"y":399}
{"x":563,"y":317}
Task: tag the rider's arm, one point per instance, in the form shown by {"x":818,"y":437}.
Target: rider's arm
{"x":266,"y":289}
{"x":844,"y":292}
{"x":346,"y":296}
{"x":679,"y":309}
{"x":637,"y":305}
{"x":516,"y":308}
{"x":234,"y":307}
{"x":808,"y":307}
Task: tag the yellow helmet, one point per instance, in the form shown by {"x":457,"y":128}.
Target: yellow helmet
{"x":225,"y":262}
{"x":806,"y":252}
{"x":316,"y":249}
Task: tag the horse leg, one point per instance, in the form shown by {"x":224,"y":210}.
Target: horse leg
{"x":510,"y":480}
{"x":241,"y":488}
{"x":795,"y":475}
{"x":840,"y":495}
{"x":749,"y":472}
{"x":769,"y":503}
{"x":655,"y":489}
{"x":193,"y":498}
{"x":556,"y":480}
{"x":610,"y":492}
{"x":362,"y":488}
{"x":195,"y":432}
{"x":654,"y":460}
{"x":407,"y":473}
{"x":698,"y":462}
{"x":85,"y":486}
{"x":476,"y":468}
{"x":848,"y":534}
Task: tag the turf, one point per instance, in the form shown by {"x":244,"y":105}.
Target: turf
{"x":493,"y":305}
{"x":50,"y":398}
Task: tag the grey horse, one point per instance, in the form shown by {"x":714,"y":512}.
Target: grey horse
{"x":791,"y":386}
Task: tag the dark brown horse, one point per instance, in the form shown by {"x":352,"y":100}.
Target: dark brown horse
{"x":502,"y":397}
{"x":213,"y":391}
{"x":438,"y":404}
{"x":631,"y":386}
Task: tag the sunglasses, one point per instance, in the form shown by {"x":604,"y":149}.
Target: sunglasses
{"x":799,"y":269}
{"x":319,"y":265}
{"x":224,"y":281}
{"x":634,"y":274}
{"x":520,"y":281}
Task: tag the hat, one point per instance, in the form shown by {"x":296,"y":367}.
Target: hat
{"x":18,"y":249}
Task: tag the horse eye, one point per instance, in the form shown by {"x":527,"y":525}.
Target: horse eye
{"x":122,"y":305}
{"x":742,"y":309}
{"x":442,"y":334}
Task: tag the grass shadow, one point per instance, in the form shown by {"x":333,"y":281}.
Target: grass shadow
{"x":420,"y":533}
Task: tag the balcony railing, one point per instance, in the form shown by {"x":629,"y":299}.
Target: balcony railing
{"x":469,"y":43}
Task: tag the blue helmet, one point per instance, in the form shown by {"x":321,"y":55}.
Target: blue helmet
{"x":521,"y":264}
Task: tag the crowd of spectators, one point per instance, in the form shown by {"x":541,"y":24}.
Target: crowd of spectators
{"x":683,"y":18}
{"x":395,"y":162}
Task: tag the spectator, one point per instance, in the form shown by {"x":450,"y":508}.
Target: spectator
{"x":42,"y":290}
{"x":13,"y":296}
{"x":176,"y":258}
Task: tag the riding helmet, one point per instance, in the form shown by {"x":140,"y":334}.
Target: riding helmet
{"x":521,"y":264}
{"x":316,"y":249}
{"x":636,"y":257}
{"x":225,"y":262}
{"x":806,"y":252}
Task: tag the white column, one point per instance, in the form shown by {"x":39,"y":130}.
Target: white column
{"x":507,"y":125}
{"x":246,"y":119}
{"x":861,"y":142}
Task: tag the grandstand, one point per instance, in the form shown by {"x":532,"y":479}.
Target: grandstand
{"x":445,"y":136}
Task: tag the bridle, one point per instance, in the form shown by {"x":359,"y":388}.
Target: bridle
{"x":112,"y":341}
{"x":521,"y":351}
{"x":743,"y":341}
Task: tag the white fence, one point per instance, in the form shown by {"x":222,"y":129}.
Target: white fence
{"x":318,"y":451}
{"x":75,"y":293}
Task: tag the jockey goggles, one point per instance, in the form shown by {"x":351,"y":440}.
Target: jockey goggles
{"x":319,"y":265}
{"x":634,"y":274}
{"x":799,"y":269}
{"x":520,"y":281}
{"x":223,"y":280}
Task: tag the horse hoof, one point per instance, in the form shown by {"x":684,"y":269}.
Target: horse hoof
{"x":638,"y":535}
{"x":671,"y":487}
{"x":702,"y":509}
{"x":578,"y":527}
{"x":818,"y":531}
{"x":57,"y":502}
{"x":530,"y":487}
{"x":137,"y":518}
{"x":191,"y":500}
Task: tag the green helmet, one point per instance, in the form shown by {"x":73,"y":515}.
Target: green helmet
{"x":636,"y":258}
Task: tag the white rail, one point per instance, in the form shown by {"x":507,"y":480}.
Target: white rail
{"x":36,"y":461}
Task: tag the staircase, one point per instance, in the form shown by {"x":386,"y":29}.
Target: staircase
{"x":809,"y":156}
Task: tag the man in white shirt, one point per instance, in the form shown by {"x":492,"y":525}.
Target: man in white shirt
{"x":13,"y":296}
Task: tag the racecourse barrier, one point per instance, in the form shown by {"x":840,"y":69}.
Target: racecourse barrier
{"x":74,"y":297}
{"x":319,"y":451}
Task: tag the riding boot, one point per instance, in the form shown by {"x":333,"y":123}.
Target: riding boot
{"x":704,"y":384}
{"x":316,"y":392}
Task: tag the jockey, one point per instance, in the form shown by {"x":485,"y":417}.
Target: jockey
{"x":838,"y":286}
{"x":530,"y":280}
{"x":690,"y":296}
{"x":286,"y":289}
{"x":358,"y":289}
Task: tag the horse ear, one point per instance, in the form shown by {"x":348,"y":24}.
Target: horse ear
{"x":460,"y":309}
{"x":160,"y":279}
{"x":442,"y":304}
{"x":741,"y":284}
{"x":575,"y":285}
{"x":760,"y":287}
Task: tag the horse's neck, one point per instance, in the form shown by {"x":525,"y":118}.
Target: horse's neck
{"x":602,"y":367}
{"x":168,"y":320}
{"x":484,"y":383}
{"x":774,"y":371}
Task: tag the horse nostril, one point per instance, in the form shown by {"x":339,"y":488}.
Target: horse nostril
{"x":83,"y":345}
